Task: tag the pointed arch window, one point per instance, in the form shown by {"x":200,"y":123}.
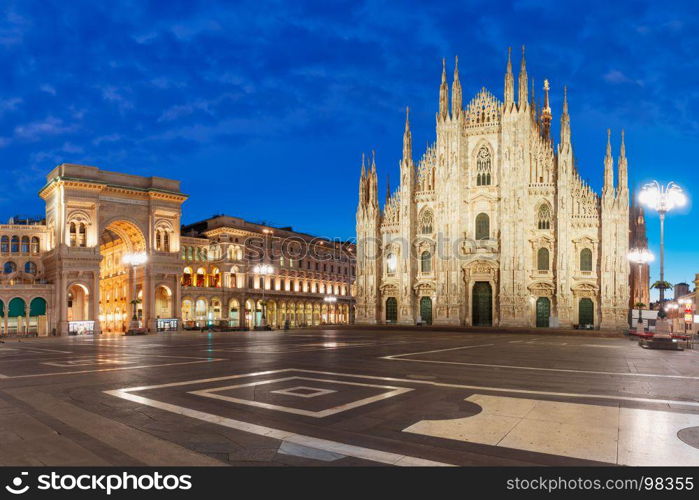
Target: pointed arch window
{"x":542,"y":259}
{"x":5,"y":244}
{"x":426,"y":262}
{"x":544,"y":216}
{"x":482,"y":227}
{"x":82,"y":234}
{"x":426,"y":222}
{"x":14,"y":247}
{"x":391,"y":262}
{"x":586,"y":259}
{"x":483,"y":167}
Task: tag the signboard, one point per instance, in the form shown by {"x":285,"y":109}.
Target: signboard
{"x":646,"y":314}
{"x":696,"y":318}
{"x":81,"y":327}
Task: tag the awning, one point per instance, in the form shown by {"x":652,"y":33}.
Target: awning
{"x":16,"y":308}
{"x":37,"y":307}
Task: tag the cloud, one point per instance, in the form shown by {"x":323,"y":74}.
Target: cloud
{"x":48,"y":126}
{"x":297,"y":86}
{"x":617,"y":77}
{"x":9,"y":104}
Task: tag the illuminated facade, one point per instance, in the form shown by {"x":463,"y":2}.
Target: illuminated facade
{"x":305,"y":280}
{"x":639,"y":279}
{"x":494,"y":225}
{"x":67,"y":273}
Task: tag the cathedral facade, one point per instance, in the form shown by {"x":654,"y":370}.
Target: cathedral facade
{"x":494,"y":225}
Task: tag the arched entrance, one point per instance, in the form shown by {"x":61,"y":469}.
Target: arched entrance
{"x":37,"y":316}
{"x":391,"y":310}
{"x":586,"y":312}
{"x":543,"y":312}
{"x":16,"y":316}
{"x":163,"y":302}
{"x":426,"y":310}
{"x":188,"y":312}
{"x":200,"y":311}
{"x":234,"y":313}
{"x":78,"y":303}
{"x":482,"y":304}
{"x":120,"y":282}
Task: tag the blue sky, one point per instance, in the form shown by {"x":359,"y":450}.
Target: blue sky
{"x":263,"y":109}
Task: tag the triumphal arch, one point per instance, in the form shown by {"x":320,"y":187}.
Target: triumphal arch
{"x":96,"y":218}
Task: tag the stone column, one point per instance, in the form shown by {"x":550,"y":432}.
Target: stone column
{"x":177,"y":301}
{"x":148,"y":299}
{"x":61,"y":294}
{"x":95,"y":305}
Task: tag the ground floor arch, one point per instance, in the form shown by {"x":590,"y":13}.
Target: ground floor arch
{"x":482,"y":304}
{"x":391,"y":310}
{"x":234,"y":313}
{"x":163,"y":302}
{"x":78,"y":302}
{"x":426,"y":310}
{"x":543,"y":312}
{"x":586,"y":312}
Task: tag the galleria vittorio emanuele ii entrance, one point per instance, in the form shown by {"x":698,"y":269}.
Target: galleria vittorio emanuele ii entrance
{"x":97,"y":222}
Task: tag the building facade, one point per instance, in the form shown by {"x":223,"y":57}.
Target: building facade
{"x":639,"y":278}
{"x":494,"y":225}
{"x":66,"y":274}
{"x":236,"y":271}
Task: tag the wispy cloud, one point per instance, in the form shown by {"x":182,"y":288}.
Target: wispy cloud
{"x":48,"y":126}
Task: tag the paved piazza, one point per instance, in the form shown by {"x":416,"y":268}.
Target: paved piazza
{"x":346,"y":398}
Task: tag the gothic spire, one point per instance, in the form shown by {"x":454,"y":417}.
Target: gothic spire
{"x":622,"y":168}
{"x":456,"y":97}
{"x":407,"y":139}
{"x":373,"y":183}
{"x":608,"y":188}
{"x":362,"y":184}
{"x":546,"y":111}
{"x":443,"y":92}
{"x":388,"y":187}
{"x":509,"y":81}
{"x":523,"y":83}
{"x":565,"y":119}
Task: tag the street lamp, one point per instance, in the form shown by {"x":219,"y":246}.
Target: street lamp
{"x":133,"y":260}
{"x":263,"y":270}
{"x":662,"y":199}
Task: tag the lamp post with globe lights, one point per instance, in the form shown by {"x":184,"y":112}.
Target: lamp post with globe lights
{"x":133,"y":260}
{"x":263,"y":270}
{"x":662,"y":199}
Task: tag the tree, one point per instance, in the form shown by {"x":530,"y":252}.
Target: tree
{"x":662,"y":285}
{"x":135,"y":302}
{"x":639,"y":306}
